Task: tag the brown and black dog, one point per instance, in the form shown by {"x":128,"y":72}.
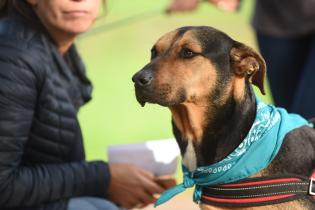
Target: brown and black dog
{"x":204,"y":77}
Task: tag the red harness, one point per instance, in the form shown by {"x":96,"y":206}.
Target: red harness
{"x":260,"y":191}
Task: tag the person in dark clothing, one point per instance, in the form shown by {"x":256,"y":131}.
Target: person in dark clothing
{"x":285,"y":32}
{"x":42,"y":86}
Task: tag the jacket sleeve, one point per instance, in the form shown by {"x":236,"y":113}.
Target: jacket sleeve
{"x":29,"y":186}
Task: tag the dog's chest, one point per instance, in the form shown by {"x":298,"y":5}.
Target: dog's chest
{"x":190,"y":158}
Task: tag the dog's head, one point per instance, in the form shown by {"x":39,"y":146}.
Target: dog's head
{"x":197,"y":63}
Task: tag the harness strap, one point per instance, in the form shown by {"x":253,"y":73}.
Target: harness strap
{"x":311,"y":190}
{"x":260,"y":191}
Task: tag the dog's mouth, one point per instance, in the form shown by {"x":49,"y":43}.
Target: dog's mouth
{"x":141,"y":100}
{"x":144,"y":96}
{"x":160,"y":96}
{"x":142,"y":103}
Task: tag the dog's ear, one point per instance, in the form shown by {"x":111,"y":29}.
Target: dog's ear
{"x":248,"y":63}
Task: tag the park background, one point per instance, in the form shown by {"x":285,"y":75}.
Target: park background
{"x":118,"y":46}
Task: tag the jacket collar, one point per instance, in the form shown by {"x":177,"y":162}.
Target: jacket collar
{"x":77,"y":70}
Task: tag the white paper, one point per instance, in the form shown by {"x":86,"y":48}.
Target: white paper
{"x":158,"y":156}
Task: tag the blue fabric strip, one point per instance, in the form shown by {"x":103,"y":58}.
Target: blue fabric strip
{"x":255,"y":153}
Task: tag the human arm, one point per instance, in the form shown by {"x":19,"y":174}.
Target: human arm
{"x":31,"y":185}
{"x":190,"y":5}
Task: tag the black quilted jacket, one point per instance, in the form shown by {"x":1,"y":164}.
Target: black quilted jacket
{"x":41,"y":152}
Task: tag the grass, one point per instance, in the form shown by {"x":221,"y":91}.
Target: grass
{"x":115,"y":54}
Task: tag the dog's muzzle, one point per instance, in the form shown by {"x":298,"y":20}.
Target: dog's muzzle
{"x":143,"y":80}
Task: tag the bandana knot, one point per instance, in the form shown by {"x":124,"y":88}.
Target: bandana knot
{"x":188,"y":179}
{"x":255,"y":153}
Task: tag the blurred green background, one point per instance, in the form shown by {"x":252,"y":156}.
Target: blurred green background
{"x":113,"y":54}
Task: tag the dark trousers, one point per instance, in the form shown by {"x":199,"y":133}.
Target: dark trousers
{"x":91,"y":203}
{"x":291,"y":71}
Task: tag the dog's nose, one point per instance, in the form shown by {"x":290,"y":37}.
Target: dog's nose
{"x":143,"y":78}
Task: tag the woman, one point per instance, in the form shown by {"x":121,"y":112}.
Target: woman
{"x":43,"y":84}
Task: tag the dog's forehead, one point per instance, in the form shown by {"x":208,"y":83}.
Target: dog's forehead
{"x":181,"y":38}
{"x":166,"y":40}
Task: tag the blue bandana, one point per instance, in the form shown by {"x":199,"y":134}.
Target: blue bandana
{"x":255,"y":153}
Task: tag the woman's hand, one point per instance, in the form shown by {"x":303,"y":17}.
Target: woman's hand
{"x":132,"y":187}
{"x":226,"y":5}
{"x":190,"y":5}
{"x":182,"y":6}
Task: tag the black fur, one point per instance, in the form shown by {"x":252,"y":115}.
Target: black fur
{"x":232,"y":121}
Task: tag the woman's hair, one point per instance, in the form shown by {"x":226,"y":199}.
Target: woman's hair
{"x":3,"y":7}
{"x":19,"y":6}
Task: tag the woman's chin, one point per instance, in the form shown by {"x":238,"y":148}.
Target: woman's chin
{"x":77,"y":28}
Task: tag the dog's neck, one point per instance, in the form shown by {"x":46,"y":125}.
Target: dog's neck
{"x":207,"y":134}
{"x":189,"y":121}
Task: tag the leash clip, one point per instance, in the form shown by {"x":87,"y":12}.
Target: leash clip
{"x":310,"y":189}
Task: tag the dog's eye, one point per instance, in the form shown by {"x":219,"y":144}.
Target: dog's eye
{"x":186,"y":53}
{"x":154,"y":53}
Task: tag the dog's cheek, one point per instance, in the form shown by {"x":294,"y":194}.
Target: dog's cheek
{"x":203,"y":79}
{"x":168,"y":79}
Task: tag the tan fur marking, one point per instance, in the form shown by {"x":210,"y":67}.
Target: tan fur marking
{"x":165,"y":41}
{"x":189,"y":40}
{"x":238,"y":88}
{"x":196,"y":75}
{"x":189,"y":119}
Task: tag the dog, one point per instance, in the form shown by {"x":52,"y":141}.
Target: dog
{"x":205,"y":78}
